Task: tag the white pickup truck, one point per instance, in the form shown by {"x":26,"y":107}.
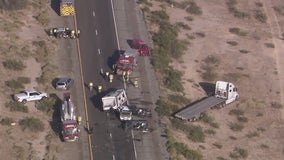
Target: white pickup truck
{"x":29,"y":95}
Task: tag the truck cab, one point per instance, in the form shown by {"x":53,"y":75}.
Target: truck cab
{"x":114,"y":100}
{"x":226,"y":90}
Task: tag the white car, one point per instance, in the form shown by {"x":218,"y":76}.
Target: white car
{"x":29,"y":95}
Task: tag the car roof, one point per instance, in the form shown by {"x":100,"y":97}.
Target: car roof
{"x":63,"y":79}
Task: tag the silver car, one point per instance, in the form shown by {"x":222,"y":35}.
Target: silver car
{"x":64,"y":83}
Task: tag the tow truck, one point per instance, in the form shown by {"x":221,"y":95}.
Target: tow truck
{"x":63,"y":32}
{"x":141,"y":46}
{"x":70,"y":131}
{"x":126,"y":61}
{"x":225,"y":93}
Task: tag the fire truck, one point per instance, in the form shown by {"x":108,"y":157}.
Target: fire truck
{"x":126,"y":61}
{"x":141,"y":46}
{"x":70,"y":131}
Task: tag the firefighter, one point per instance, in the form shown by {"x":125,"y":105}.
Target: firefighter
{"x":78,"y":33}
{"x":72,"y":34}
{"x":135,"y":82}
{"x":107,"y":75}
{"x":127,"y":75}
{"x":102,"y":71}
{"x":110,"y":78}
{"x":51,"y":32}
{"x":91,"y":86}
{"x":79,"y":119}
{"x":100,"y":87}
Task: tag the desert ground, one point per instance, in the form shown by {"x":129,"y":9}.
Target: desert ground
{"x":251,"y":60}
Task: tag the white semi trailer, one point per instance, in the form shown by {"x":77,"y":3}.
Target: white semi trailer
{"x":225,"y":93}
{"x":114,"y":100}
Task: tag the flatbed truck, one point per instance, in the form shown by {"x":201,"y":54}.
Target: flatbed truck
{"x":225,"y":93}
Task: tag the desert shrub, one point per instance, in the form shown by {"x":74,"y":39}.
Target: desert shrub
{"x":260,"y":16}
{"x":232,"y":138}
{"x":242,"y":119}
{"x":188,"y":18}
{"x":181,"y":148}
{"x":164,"y":107}
{"x":6,"y":121}
{"x":209,"y":73}
{"x":200,"y":34}
{"x":173,"y":80}
{"x":19,"y":152}
{"x":46,"y":105}
{"x":264,"y":146}
{"x":236,"y":126}
{"x":13,"y":4}
{"x":212,"y":60}
{"x":237,"y":112}
{"x":218,"y":145}
{"x":16,"y":106}
{"x":179,"y":99}
{"x":194,"y":133}
{"x":221,"y":158}
{"x":43,"y":18}
{"x":232,"y":43}
{"x":252,"y":134}
{"x":183,"y":26}
{"x":194,"y":8}
{"x":244,"y":51}
{"x":145,"y":2}
{"x":209,"y":120}
{"x":31,"y":123}
{"x":232,"y":8}
{"x":24,"y":80}
{"x":160,"y":60}
{"x":239,"y":153}
{"x":210,"y":131}
{"x":237,"y":31}
{"x":276,"y":105}
{"x":260,"y":129}
{"x":47,"y":73}
{"x":14,"y":65}
{"x":14,"y":84}
{"x":269,"y":45}
{"x":279,"y":10}
{"x":158,"y":17}
{"x":258,"y":4}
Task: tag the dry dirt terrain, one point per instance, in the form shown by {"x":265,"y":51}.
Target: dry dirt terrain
{"x":251,"y":58}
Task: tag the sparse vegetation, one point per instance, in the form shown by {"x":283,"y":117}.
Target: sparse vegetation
{"x":19,"y":152}
{"x":244,"y":51}
{"x":6,"y":121}
{"x":237,"y":13}
{"x":232,"y":43}
{"x":264,"y":146}
{"x":217,"y":145}
{"x":32,"y":124}
{"x":46,"y":105}
{"x":276,"y":105}
{"x":209,"y":120}
{"x":165,"y":108}
{"x":13,"y":4}
{"x":210,"y":131}
{"x":16,"y":106}
{"x":16,"y":65}
{"x":173,"y":80}
{"x":237,"y":31}
{"x":237,"y":112}
{"x":183,"y":26}
{"x":209,"y":73}
{"x":193,"y":8}
{"x":188,"y":18}
{"x":239,"y":153}
{"x":260,"y":16}
{"x":43,"y":18}
{"x":242,"y":119}
{"x":236,"y":126}
{"x":279,"y":10}
{"x":252,"y":134}
{"x":178,"y":99}
{"x":18,"y":84}
{"x":269,"y":45}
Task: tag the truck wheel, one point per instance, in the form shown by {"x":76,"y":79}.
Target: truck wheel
{"x":43,"y":98}
{"x":24,"y":101}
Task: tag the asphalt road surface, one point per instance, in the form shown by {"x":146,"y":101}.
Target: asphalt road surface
{"x":97,"y":44}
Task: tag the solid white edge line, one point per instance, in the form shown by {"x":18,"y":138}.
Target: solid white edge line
{"x":134,"y":144}
{"x":115,"y":27}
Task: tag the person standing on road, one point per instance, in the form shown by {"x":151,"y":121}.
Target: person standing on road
{"x":110,"y":78}
{"x":135,"y":82}
{"x":91,"y":86}
{"x":100,"y":87}
{"x":107,"y":75}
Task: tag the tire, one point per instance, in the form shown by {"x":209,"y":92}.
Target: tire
{"x":24,"y":101}
{"x":43,"y":98}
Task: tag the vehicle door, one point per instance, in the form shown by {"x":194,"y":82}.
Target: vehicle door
{"x":34,"y":96}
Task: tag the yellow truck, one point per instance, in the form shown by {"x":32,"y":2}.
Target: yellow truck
{"x":67,"y":7}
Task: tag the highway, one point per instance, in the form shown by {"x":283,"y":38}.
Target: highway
{"x":97,"y":43}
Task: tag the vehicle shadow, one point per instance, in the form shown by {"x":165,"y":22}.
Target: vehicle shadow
{"x":129,"y":42}
{"x":53,"y":82}
{"x":209,"y":88}
{"x":55,"y":123}
{"x":55,"y":5}
{"x":114,"y":58}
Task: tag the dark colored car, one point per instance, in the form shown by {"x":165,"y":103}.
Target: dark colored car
{"x":64,"y":83}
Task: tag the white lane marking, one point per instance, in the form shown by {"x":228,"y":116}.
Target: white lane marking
{"x":99,"y":51}
{"x":113,"y":157}
{"x":134,"y":144}
{"x":96,"y":32}
{"x":110,"y":135}
{"x":94,"y":14}
{"x":115,"y":27}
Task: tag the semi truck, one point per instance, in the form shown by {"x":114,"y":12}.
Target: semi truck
{"x":70,"y":131}
{"x":67,"y":7}
{"x":225,"y":93}
{"x":114,"y":100}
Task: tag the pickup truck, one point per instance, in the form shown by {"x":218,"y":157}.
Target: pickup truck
{"x":29,"y":95}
